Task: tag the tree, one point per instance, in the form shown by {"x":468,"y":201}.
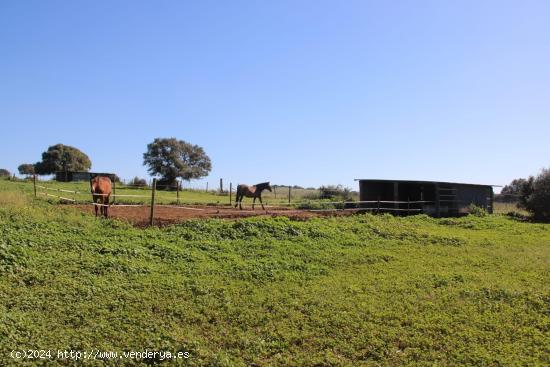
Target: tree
{"x":171,"y":158}
{"x":535,"y":195}
{"x":26,"y":169}
{"x":140,"y":182}
{"x":4,"y":173}
{"x":514,"y":188}
{"x":64,"y":158}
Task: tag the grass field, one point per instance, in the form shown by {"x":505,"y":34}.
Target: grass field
{"x":279,"y":196}
{"x":348,"y":291}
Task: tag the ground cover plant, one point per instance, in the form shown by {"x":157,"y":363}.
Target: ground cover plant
{"x":360,"y":290}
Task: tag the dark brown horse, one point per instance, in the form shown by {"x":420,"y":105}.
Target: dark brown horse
{"x":251,"y":192}
{"x":101,"y":188}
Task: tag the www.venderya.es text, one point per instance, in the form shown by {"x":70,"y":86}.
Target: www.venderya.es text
{"x":77,"y":355}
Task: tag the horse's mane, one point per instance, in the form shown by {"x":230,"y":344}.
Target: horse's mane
{"x":262,"y":184}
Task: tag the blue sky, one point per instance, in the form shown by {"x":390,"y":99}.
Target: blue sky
{"x":295,"y":92}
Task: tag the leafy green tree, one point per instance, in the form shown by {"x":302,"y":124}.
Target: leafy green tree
{"x":63,"y":158}
{"x":514,"y":188}
{"x":171,"y":158}
{"x":26,"y":169}
{"x":4,"y":173}
{"x":535,"y":195}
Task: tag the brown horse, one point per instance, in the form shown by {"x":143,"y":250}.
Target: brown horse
{"x":101,"y":188}
{"x":251,"y":192}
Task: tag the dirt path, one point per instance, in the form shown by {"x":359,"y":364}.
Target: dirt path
{"x":164,"y":215}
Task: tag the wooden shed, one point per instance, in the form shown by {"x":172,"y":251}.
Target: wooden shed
{"x":69,"y":176}
{"x":438,"y":199}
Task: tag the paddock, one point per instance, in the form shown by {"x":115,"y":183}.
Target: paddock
{"x":170,"y":214}
{"x":148,"y":206}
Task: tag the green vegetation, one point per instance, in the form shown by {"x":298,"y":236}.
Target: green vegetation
{"x":279,"y":196}
{"x":361,"y":290}
{"x":531,"y":194}
{"x":172,"y":159}
{"x":63,"y":158}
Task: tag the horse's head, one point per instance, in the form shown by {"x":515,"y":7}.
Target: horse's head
{"x":100,"y":185}
{"x":94,"y":183}
{"x":267,"y":186}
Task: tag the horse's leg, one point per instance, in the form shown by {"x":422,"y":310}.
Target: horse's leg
{"x":261,"y":202}
{"x":241,"y":202}
{"x":106,"y":207}
{"x":253,"y":202}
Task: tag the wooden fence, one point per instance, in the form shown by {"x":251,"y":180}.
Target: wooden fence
{"x":151,"y":200}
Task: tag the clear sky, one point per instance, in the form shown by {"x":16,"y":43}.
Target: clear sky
{"x":295,"y":92}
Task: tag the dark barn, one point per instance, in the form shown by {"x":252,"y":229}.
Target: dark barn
{"x":438,"y":199}
{"x":70,"y":176}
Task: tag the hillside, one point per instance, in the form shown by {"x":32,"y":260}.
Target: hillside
{"x":359,"y":290}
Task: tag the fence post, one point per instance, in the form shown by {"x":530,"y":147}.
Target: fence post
{"x":288,"y":195}
{"x":378,"y":210}
{"x":230,"y":192}
{"x":408,"y":206}
{"x":206,"y":186}
{"x":221,"y":185}
{"x":153,"y":201}
{"x":114,"y":190}
{"x":34,"y":184}
{"x":178,"y":193}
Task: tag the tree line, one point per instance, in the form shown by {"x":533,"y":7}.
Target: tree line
{"x":167,"y":158}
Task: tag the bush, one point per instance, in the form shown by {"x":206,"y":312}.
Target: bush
{"x":335,"y":192}
{"x":536,"y":195}
{"x":4,"y":173}
{"x":140,"y":182}
{"x":477,"y":210}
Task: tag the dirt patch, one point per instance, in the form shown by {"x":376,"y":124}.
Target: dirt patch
{"x":164,"y":215}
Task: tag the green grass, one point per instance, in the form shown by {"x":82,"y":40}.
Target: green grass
{"x":187,"y":196}
{"x":361,"y":290}
{"x":506,"y":208}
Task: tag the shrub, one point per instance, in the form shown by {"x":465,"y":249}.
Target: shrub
{"x":477,"y":210}
{"x":4,"y":173}
{"x":335,"y":192}
{"x":136,"y":181}
{"x":536,"y":195}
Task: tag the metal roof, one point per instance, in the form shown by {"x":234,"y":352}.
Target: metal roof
{"x":423,"y":182}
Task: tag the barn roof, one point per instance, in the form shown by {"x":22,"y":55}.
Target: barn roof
{"x":423,"y":182}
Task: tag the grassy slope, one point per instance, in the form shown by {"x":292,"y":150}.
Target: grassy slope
{"x":187,"y":196}
{"x":345,"y":291}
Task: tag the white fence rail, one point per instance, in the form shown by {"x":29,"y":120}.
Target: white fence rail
{"x":371,"y":205}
